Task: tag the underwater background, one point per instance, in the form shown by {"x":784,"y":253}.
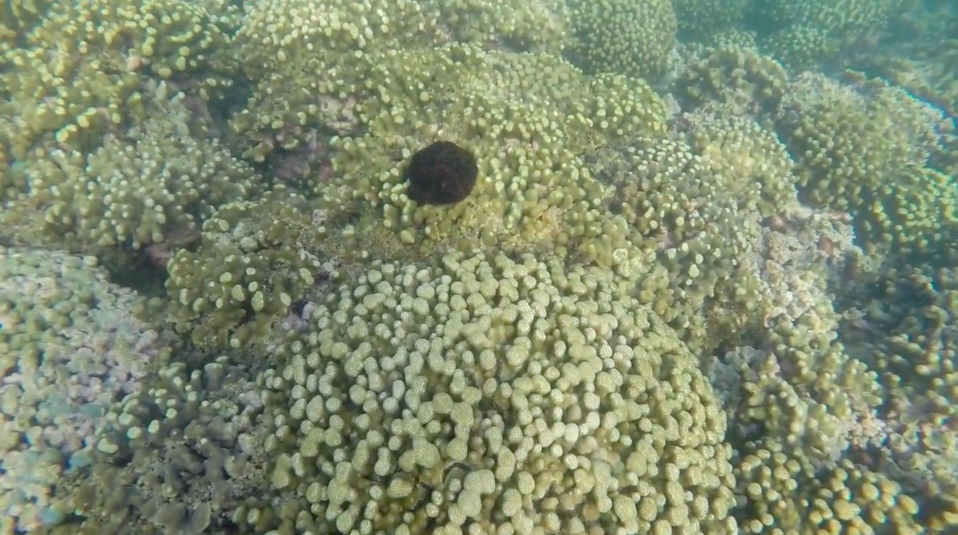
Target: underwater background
{"x":510,"y":267}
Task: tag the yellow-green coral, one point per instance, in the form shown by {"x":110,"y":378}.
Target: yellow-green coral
{"x":863,"y":150}
{"x":755,"y":165}
{"x":527,"y":118}
{"x":806,"y":420}
{"x":784,"y":492}
{"x":186,"y":452}
{"x":632,"y":37}
{"x":737,"y":77}
{"x":485,"y":393}
{"x":684,"y":212}
{"x":801,"y":47}
{"x":515,"y":25}
{"x":255,"y":259}
{"x":144,"y":184}
{"x":904,"y":320}
{"x":833,"y":16}
{"x":308,"y":64}
{"x":84,"y":63}
{"x":699,"y":20}
{"x":17,"y":17}
{"x":927,"y":70}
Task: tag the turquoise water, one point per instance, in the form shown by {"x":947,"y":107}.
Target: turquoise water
{"x":505,"y":267}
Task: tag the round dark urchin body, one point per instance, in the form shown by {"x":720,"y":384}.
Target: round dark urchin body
{"x":442,"y":173}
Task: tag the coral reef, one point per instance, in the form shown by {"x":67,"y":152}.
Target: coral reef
{"x":690,"y":269}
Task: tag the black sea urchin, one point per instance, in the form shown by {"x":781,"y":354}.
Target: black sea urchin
{"x":442,"y":173}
